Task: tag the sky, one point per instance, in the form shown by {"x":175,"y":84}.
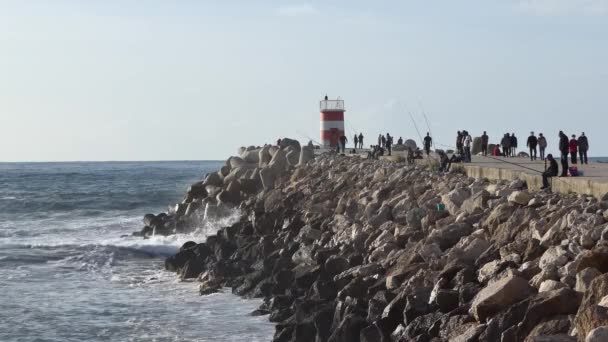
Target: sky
{"x":194,"y":80}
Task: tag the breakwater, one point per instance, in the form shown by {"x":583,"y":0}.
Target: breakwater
{"x":347,"y":249}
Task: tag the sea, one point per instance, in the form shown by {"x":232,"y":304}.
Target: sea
{"x":71,"y":271}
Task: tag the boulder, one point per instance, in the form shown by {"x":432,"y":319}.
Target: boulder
{"x":499,"y":295}
{"x":553,"y":257}
{"x":590,"y":315}
{"x":448,"y":236}
{"x":409,"y":143}
{"x":286,"y":142}
{"x":596,"y":258}
{"x":520,"y":197}
{"x":599,"y":334}
{"x":550,"y":285}
{"x":585,"y":277}
{"x":454,"y":199}
{"x":251,"y":156}
{"x":264,"y":156}
{"x":306,"y":154}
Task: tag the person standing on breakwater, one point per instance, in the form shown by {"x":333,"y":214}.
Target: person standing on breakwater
{"x":513,"y":145}
{"x":342,"y":143}
{"x":506,"y":145}
{"x":573,"y":149}
{"x":550,"y":172}
{"x":428,"y":141}
{"x":563,"y":149}
{"x":383,"y":141}
{"x":532,"y":142}
{"x":459,"y":141}
{"x":400,"y":141}
{"x":542,"y":145}
{"x":484,"y":143}
{"x":356,"y":139}
{"x":468,"y":140}
{"x":389,"y":143}
{"x":583,"y":146}
{"x":361,"y":140}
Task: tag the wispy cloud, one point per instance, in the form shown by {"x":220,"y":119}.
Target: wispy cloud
{"x":564,"y":7}
{"x":296,"y":10}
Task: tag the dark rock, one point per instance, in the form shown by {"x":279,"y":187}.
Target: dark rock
{"x":192,"y":269}
{"x":447,"y":300}
{"x":188,"y":245}
{"x":349,"y":329}
{"x":416,"y":304}
{"x":176,"y":262}
{"x":336,"y":265}
{"x":596,"y":258}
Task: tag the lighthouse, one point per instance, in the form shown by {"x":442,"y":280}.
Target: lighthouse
{"x":332,"y":121}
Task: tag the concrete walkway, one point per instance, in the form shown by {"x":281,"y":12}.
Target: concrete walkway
{"x":594,"y":182}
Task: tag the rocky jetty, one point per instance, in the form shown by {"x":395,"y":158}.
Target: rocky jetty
{"x":347,"y":249}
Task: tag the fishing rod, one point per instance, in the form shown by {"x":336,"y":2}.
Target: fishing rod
{"x":418,"y":131}
{"x":307,"y":137}
{"x":427,"y":121}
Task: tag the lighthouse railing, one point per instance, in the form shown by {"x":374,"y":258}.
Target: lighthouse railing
{"x":332,"y":105}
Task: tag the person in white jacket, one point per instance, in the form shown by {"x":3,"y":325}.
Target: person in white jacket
{"x":468,"y":140}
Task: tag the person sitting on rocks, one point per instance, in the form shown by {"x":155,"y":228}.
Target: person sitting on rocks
{"x":444,"y":160}
{"x":410,"y":156}
{"x":446,"y":163}
{"x":496,"y":152}
{"x":552,"y":171}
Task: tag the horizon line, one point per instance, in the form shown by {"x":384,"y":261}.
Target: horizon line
{"x":111,"y":161}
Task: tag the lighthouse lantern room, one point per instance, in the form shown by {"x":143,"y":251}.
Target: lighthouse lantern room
{"x":332,"y":122}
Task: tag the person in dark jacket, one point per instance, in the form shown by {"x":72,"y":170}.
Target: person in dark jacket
{"x":484,"y":143}
{"x":342,"y":144}
{"x":459,"y":143}
{"x":400,"y":141}
{"x":583,"y":147}
{"x":360,"y":140}
{"x":389,"y":143}
{"x":532,"y":143}
{"x":428,"y":141}
{"x":513,"y":145}
{"x":563,"y":149}
{"x":573,"y":148}
{"x":356,"y":140}
{"x":506,"y":145}
{"x":549,"y":172}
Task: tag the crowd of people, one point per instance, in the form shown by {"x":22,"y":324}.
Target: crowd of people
{"x":575,"y":148}
{"x":571,"y":150}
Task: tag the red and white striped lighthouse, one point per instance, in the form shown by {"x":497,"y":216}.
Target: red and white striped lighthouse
{"x":332,"y":122}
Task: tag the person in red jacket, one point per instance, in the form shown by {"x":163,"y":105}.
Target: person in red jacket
{"x":496,"y":151}
{"x":573,"y":148}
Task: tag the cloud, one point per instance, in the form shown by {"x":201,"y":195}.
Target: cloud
{"x":564,"y":7}
{"x":296,"y":10}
